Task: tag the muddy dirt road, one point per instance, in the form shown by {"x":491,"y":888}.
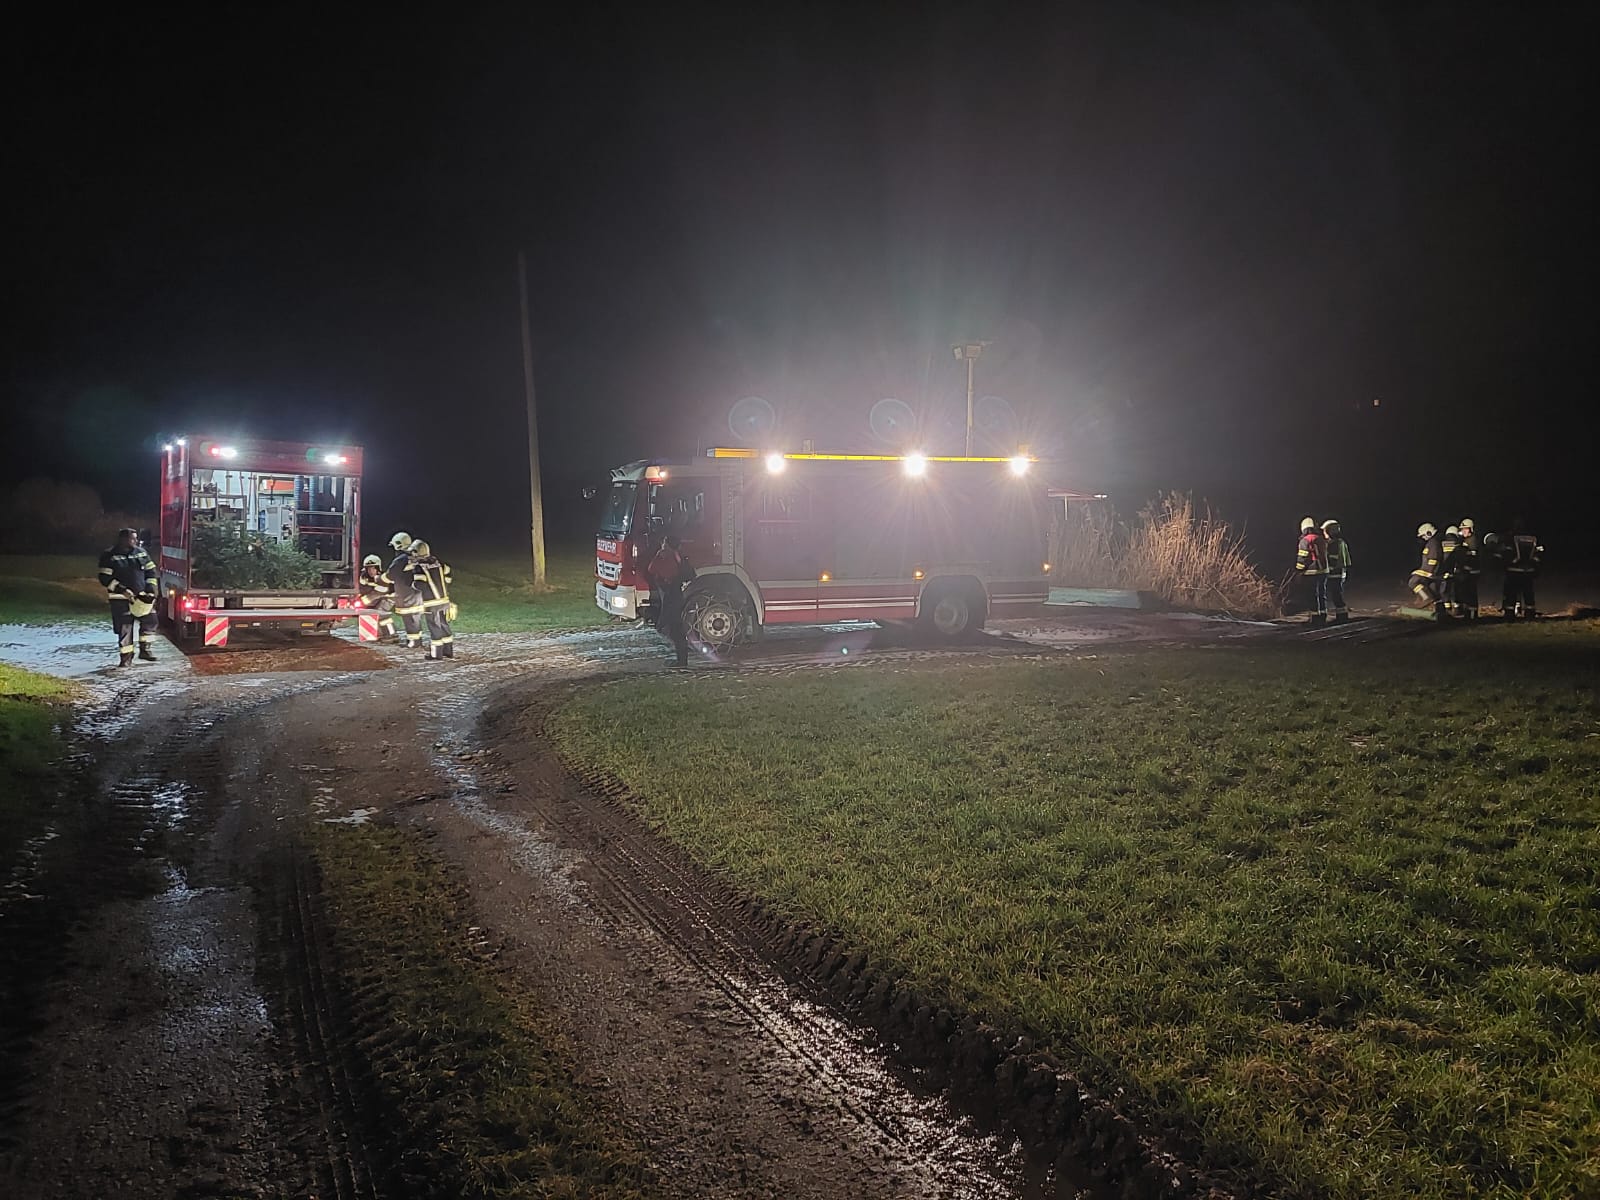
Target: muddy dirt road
{"x":169,"y":1024}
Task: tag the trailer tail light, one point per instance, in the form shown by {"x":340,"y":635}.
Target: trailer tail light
{"x":191,"y":603}
{"x":655,"y":474}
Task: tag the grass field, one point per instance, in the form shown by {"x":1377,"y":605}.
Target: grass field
{"x":481,"y":1102}
{"x":32,"y":710}
{"x":493,"y":592}
{"x":491,"y":587}
{"x":46,"y":589}
{"x":1329,"y":910}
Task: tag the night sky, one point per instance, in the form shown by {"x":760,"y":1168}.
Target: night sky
{"x":1204,"y":239}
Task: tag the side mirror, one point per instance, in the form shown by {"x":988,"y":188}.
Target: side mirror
{"x":590,"y":491}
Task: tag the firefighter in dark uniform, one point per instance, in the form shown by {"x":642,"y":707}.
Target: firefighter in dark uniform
{"x":432,"y":581}
{"x":1449,"y":550}
{"x":1519,"y":556}
{"x":1338,"y":555}
{"x":1426,"y":580}
{"x":1311,"y":564}
{"x":1466,"y":571}
{"x":129,"y":577}
{"x":375,"y":593}
{"x":407,"y":600}
{"x":669,"y":572}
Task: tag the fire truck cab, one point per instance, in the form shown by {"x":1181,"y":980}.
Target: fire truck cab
{"x":257,"y":532}
{"x":808,"y":538}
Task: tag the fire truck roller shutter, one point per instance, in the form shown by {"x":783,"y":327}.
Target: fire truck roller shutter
{"x":952,"y":607}
{"x":718,"y":612}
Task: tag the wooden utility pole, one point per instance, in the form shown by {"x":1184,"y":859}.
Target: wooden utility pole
{"x":535,"y":493}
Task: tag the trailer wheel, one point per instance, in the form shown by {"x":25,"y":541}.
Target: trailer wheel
{"x":952,"y":611}
{"x":719,"y":617}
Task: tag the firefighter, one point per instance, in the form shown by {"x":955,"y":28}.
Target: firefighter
{"x":1467,"y":571}
{"x":129,"y":577}
{"x":1425,"y":580}
{"x":1338,"y":553}
{"x":1449,"y":549}
{"x":1520,"y":555}
{"x":407,"y":600}
{"x":431,"y":578}
{"x":669,"y":572}
{"x":375,"y":593}
{"x":1311,"y":563}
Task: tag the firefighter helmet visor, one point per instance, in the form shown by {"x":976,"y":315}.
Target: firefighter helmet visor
{"x":1425,"y":530}
{"x":372,"y":560}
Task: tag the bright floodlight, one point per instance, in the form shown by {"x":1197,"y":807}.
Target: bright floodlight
{"x":775,"y":463}
{"x":1019,"y":464}
{"x":168,"y":446}
{"x":916,"y":464}
{"x":334,"y":459}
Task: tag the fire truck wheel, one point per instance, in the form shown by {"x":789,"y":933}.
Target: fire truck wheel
{"x":953,"y":612}
{"x":715,"y":617}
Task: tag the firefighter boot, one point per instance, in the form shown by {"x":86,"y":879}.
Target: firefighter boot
{"x":147,"y":654}
{"x":1341,"y":618}
{"x":125,"y":657}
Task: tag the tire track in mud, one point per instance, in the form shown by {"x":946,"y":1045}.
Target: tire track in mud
{"x":639,"y":885}
{"x":144,"y":792}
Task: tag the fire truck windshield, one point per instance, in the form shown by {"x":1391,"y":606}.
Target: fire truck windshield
{"x":618,"y":515}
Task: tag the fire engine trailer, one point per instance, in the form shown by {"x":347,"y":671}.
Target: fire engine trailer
{"x":780,"y":539}
{"x":294,"y":499}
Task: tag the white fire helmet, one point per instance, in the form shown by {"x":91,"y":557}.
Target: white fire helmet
{"x":1307,"y":524}
{"x":1452,"y":532}
{"x":372,"y":560}
{"x":1426,"y":530}
{"x":1329,"y":525}
{"x":421,"y":549}
{"x":400,"y":541}
{"x":1466,"y":525}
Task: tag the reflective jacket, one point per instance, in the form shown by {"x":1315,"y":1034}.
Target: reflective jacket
{"x":1467,"y":555}
{"x":1450,"y":550}
{"x":126,"y":574}
{"x":431,"y":578}
{"x":1432,"y":558}
{"x":1338,"y":556}
{"x":1522,"y":554}
{"x":1312,"y":558}
{"x":373,"y":591}
{"x":398,"y":576}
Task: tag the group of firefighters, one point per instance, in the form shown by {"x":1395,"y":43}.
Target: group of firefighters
{"x":414,"y":587}
{"x":1445,"y":581}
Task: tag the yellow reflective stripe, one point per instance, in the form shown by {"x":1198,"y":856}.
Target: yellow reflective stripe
{"x":444,"y":641}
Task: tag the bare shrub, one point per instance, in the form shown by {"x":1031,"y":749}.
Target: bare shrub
{"x":1182,"y":553}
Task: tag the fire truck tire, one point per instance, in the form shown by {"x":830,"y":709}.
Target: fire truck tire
{"x":951,"y":611}
{"x":719,"y":615}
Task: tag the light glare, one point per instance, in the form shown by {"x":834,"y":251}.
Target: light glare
{"x":775,"y":463}
{"x":916,"y":465}
{"x":1020,"y":464}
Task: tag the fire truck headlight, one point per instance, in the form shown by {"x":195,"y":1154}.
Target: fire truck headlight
{"x":775,"y":463}
{"x":1020,"y":464}
{"x":618,"y":602}
{"x":225,"y":452}
{"x":916,"y":465}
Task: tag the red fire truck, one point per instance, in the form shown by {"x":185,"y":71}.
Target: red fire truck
{"x":807,"y":538}
{"x":240,"y":516}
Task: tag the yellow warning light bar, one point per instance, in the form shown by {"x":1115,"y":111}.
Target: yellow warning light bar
{"x":740,"y":452}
